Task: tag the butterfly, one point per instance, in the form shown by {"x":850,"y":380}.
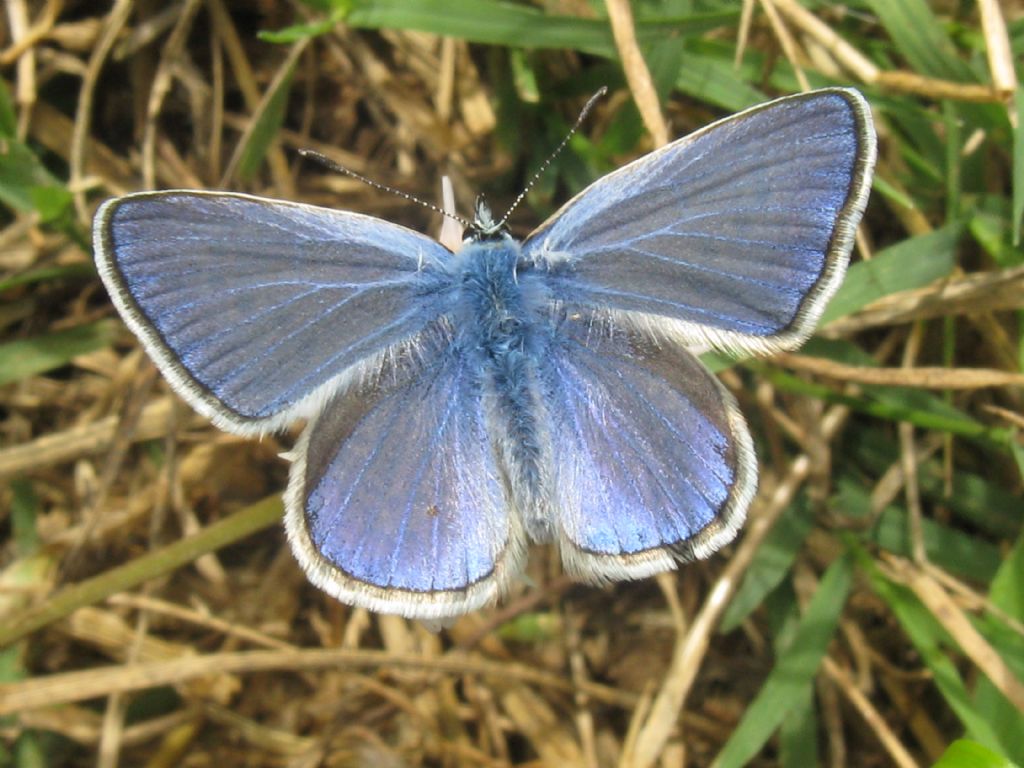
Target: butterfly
{"x":463,"y":404}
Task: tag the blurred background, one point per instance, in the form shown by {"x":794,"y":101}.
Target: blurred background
{"x":871,"y":613}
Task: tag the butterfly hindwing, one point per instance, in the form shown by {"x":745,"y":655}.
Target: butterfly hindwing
{"x":652,"y":459}
{"x":734,"y":236}
{"x":224,"y":288}
{"x":396,"y":501}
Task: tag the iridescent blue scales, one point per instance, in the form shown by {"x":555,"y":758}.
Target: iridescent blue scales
{"x":462,"y":405}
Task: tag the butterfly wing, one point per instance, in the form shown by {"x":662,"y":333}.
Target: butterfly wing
{"x":396,"y":502}
{"x":255,"y":309}
{"x":735,"y":236}
{"x":652,"y":460}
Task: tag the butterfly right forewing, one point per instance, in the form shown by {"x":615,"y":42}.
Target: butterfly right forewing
{"x":735,"y":236}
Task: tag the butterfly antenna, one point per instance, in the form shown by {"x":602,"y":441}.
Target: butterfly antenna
{"x":558,"y":150}
{"x":339,"y":168}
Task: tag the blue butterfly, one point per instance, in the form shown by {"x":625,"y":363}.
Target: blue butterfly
{"x":464,"y":404}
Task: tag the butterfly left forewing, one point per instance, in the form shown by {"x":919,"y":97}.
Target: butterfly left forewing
{"x":257,"y":310}
{"x":652,"y":460}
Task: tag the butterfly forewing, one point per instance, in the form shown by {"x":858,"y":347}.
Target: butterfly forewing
{"x":224,"y":288}
{"x":734,"y":236}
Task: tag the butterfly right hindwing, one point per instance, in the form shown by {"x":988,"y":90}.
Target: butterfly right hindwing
{"x":652,"y":460}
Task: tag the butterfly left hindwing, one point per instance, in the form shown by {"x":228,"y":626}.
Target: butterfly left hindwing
{"x":396,"y":501}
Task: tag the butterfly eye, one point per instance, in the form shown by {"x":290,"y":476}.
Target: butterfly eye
{"x":509,"y":325}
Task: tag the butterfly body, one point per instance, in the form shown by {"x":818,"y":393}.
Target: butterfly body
{"x":461,"y":405}
{"x":503,"y":324}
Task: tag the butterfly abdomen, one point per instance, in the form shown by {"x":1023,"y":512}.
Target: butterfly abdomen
{"x":499,"y":323}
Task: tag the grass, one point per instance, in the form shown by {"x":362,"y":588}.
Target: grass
{"x":872,"y":611}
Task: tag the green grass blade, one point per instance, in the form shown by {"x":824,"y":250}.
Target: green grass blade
{"x":24,"y":510}
{"x":45,"y":274}
{"x":931,"y":642}
{"x":25,"y":181}
{"x":771,"y":564}
{"x":920,"y":38}
{"x":798,"y":734}
{"x":229,"y":530}
{"x":922,"y":409}
{"x":709,"y":75}
{"x":950,"y":548}
{"x":312,"y":29}
{"x":520,"y":26}
{"x":1007,"y":588}
{"x":794,"y":670}
{"x":1006,"y":592}
{"x":28,"y":357}
{"x":964,"y":753}
{"x":8,"y":116}
{"x":269,"y":117}
{"x":969,"y":557}
{"x":981,"y":501}
{"x":1018,"y":168}
{"x":907,"y":265}
{"x":918,"y":406}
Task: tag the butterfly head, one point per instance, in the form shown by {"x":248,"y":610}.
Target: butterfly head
{"x":484,"y":226}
